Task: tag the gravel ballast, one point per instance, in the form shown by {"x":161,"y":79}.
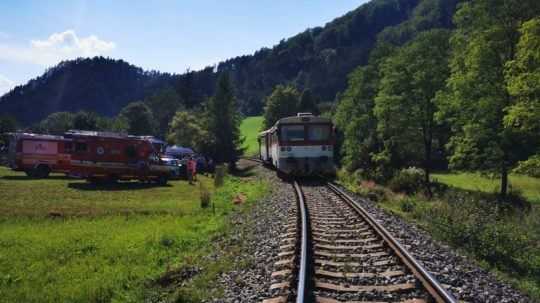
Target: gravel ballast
{"x":265,"y":222}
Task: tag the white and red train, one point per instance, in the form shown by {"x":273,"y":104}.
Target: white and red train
{"x":299,"y":146}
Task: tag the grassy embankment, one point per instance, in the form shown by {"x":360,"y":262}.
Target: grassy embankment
{"x":62,"y":240}
{"x":250,"y":128}
{"x":467,"y":216}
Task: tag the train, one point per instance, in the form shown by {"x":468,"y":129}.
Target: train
{"x":301,"y":145}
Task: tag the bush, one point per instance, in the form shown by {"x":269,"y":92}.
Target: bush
{"x":407,"y":205}
{"x":205,"y":196}
{"x":408,"y":180}
{"x":478,"y":224}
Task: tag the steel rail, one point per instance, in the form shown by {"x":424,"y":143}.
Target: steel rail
{"x":302,"y":273}
{"x":429,"y":282}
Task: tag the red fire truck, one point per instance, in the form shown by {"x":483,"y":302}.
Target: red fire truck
{"x":106,"y":156}
{"x":39,"y":155}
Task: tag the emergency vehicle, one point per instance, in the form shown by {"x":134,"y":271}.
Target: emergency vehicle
{"x":107,"y":156}
{"x":39,"y":155}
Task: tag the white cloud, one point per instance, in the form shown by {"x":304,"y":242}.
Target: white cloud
{"x":5,"y":85}
{"x":59,"y":46}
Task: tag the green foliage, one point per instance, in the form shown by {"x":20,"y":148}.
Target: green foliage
{"x":308,"y":103}
{"x":529,"y":167}
{"x":84,"y":120}
{"x":481,"y":227}
{"x":164,"y":105}
{"x":407,"y":205}
{"x":205,"y":196}
{"x":283,"y":102}
{"x":188,"y":128}
{"x":139,"y":119}
{"x":57,"y":123}
{"x":7,"y":124}
{"x":523,"y":80}
{"x":409,"y":180}
{"x":224,"y":123}
{"x":405,"y":103}
{"x":478,"y":96}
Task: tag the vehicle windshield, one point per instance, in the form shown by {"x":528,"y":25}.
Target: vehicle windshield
{"x":292,"y":133}
{"x":319,"y":132}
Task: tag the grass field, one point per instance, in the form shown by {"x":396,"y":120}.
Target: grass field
{"x":530,"y":187}
{"x":249,"y":128}
{"x":62,"y":240}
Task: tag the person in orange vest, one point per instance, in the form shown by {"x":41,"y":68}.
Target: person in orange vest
{"x":192,"y":169}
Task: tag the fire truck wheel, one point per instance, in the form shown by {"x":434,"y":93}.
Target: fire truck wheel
{"x":42,"y":171}
{"x":162,"y":180}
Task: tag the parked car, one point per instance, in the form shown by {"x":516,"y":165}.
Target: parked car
{"x":177,"y":168}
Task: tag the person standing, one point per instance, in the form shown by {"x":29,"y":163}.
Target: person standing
{"x":191,"y":169}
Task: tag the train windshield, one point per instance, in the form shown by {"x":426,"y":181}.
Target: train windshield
{"x":292,"y":133}
{"x":319,"y":132}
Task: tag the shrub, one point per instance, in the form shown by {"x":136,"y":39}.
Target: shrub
{"x":408,"y":180}
{"x":205,"y":196}
{"x":407,"y":205}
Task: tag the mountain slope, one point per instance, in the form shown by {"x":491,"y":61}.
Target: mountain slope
{"x":319,"y":58}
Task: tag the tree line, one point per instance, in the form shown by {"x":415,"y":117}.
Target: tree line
{"x":211,"y":128}
{"x":467,"y":98}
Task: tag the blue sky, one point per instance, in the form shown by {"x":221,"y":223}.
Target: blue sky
{"x":168,"y":36}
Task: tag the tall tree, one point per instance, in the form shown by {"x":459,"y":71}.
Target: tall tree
{"x":356,"y":120}
{"x":164,"y":104}
{"x":308,"y":103}
{"x":224,"y":123}
{"x":405,"y":105}
{"x":84,"y":120}
{"x":188,"y":128}
{"x":283,"y":102}
{"x":57,"y":123}
{"x":478,"y":97}
{"x":138,"y":118}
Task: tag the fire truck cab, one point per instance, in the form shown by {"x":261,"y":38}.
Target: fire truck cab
{"x":38,"y":155}
{"x":106,"y":156}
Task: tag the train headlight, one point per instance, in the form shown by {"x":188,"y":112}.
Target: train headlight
{"x":282,"y":148}
{"x":330,"y":147}
{"x":323,"y":147}
{"x":289,"y":148}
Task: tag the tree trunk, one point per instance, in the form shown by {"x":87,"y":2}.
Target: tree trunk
{"x":428,"y":139}
{"x":504,"y":180}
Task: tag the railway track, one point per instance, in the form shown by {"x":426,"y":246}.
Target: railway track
{"x":334,"y":251}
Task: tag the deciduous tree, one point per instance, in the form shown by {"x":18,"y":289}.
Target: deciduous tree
{"x":405,"y":104}
{"x":283,"y":102}
{"x":138,"y":118}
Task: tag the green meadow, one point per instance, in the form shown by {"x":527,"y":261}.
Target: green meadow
{"x":250,"y":128}
{"x":64,"y":240}
{"x":528,"y":186}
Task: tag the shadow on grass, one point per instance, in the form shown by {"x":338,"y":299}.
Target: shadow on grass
{"x":119,"y":186}
{"x":243,"y":172}
{"x":24,"y":177}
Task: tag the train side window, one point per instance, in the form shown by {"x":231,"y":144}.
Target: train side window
{"x":81,"y":147}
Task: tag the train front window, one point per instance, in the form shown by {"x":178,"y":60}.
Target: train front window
{"x":319,"y":132}
{"x":292,"y":133}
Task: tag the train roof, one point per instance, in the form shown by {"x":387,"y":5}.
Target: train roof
{"x":303,"y":118}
